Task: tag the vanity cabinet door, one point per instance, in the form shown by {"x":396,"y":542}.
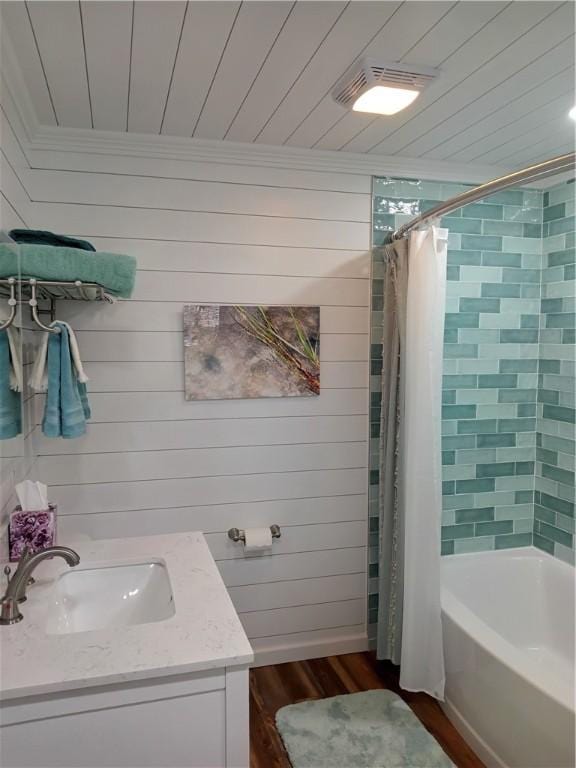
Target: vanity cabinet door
{"x":168,"y":733}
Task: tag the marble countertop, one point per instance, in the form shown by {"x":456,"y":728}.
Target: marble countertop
{"x":204,"y":633}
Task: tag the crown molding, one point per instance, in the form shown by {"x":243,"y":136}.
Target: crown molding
{"x":553,"y":181}
{"x":52,"y":139}
{"x":13,"y":81}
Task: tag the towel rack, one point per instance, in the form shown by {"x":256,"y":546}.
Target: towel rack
{"x":12,"y":303}
{"x":30,"y":290}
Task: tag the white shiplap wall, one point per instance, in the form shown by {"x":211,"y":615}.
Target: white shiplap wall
{"x":152,"y":462}
{"x":18,"y":455}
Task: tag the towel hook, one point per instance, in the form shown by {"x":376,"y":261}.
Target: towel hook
{"x":12,"y":303}
{"x":33,"y":302}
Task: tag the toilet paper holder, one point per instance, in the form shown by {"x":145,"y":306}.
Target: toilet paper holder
{"x":237,"y":534}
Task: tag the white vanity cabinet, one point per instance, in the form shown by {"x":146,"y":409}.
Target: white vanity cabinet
{"x":162,"y":694}
{"x":198,"y":721}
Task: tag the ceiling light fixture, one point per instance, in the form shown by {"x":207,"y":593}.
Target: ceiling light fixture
{"x":381,"y":88}
{"x":572,"y":113}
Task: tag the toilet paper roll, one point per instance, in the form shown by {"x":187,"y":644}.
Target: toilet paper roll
{"x":258,"y":539}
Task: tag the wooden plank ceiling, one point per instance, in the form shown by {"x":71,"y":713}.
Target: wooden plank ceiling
{"x":263,"y":72}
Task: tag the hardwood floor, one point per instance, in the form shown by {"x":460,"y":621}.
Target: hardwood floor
{"x":275,"y":686}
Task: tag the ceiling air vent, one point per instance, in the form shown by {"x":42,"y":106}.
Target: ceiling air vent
{"x":371,"y":85}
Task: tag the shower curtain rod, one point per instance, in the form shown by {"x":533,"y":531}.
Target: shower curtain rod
{"x":551,"y":167}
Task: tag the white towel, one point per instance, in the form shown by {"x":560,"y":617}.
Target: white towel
{"x":39,"y":376}
{"x":38,"y":380}
{"x":16,"y":376}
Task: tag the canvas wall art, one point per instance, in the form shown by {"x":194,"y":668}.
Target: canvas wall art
{"x":251,"y":351}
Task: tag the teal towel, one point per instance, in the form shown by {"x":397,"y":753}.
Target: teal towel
{"x":42,"y":237}
{"x":67,"y":408}
{"x":10,"y":412}
{"x":114,"y":272}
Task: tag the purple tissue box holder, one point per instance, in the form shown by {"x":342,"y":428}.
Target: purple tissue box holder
{"x":35,"y":530}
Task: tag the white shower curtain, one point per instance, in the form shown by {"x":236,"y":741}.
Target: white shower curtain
{"x":409,"y":626}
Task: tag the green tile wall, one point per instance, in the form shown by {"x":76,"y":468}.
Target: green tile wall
{"x":508,"y":397}
{"x":490,"y":359}
{"x":554,"y":497}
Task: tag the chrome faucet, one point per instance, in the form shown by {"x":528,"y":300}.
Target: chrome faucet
{"x":16,"y":589}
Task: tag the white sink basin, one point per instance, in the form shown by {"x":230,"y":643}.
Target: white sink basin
{"x":85,"y":599}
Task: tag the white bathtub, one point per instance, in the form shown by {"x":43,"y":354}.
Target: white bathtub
{"x":508,"y":620}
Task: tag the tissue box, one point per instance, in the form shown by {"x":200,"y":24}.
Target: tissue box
{"x":35,"y":530}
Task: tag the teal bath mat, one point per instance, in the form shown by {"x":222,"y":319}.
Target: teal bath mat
{"x":375,"y":729}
